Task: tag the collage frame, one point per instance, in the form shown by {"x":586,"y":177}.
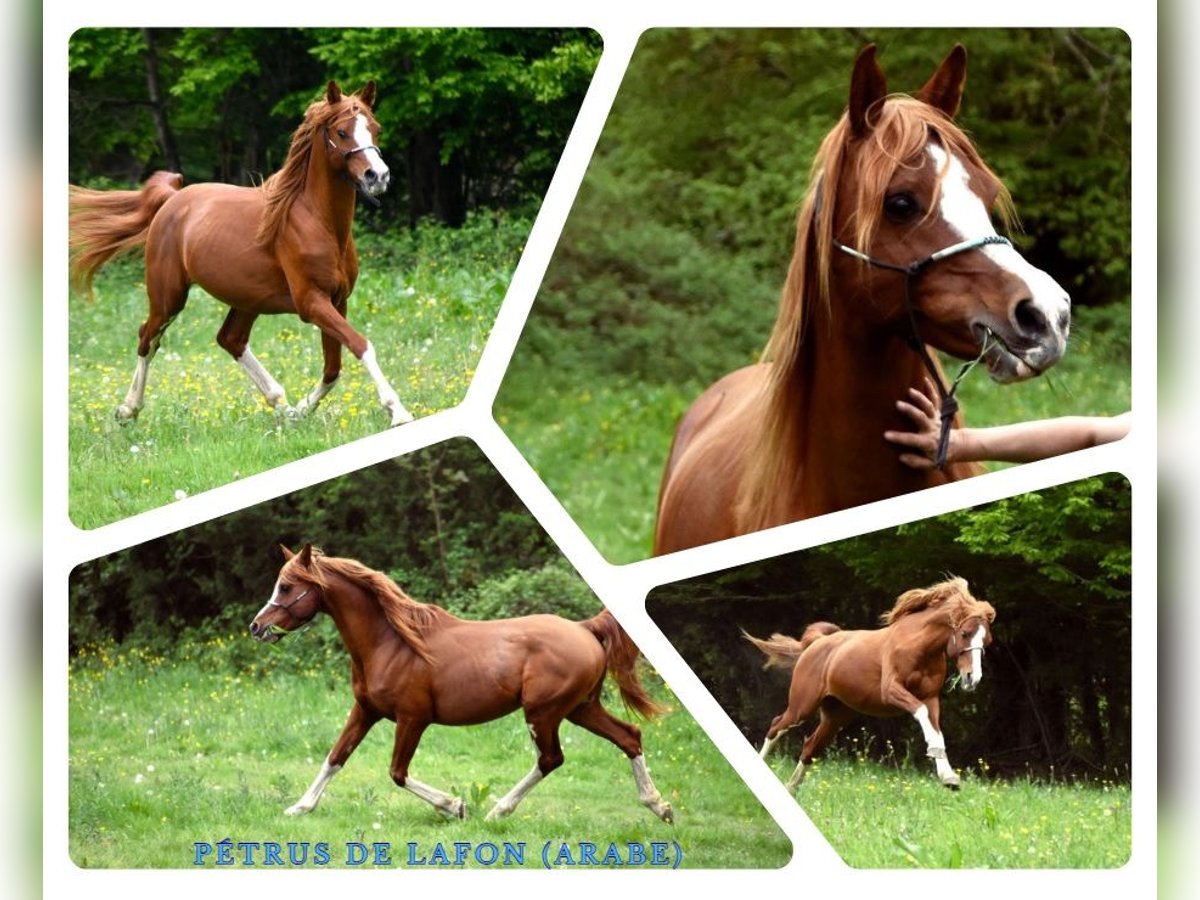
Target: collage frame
{"x":624,"y":588}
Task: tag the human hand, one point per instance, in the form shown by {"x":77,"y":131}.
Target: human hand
{"x":924,"y":410}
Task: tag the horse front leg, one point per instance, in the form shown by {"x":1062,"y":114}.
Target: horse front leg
{"x":929,"y":717}
{"x":927,"y":714}
{"x":320,"y":311}
{"x":408,"y":735}
{"x":544,"y":731}
{"x":356,"y":728}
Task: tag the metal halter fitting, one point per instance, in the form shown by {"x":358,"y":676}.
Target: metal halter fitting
{"x":948,"y":403}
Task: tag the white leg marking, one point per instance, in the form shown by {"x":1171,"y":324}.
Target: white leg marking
{"x":647,"y":793}
{"x":963,"y":210}
{"x":769,"y":743}
{"x":440,"y":800}
{"x":315,"y":396}
{"x":506,"y":804}
{"x":132,"y":403}
{"x":312,"y":796}
{"x":935,"y":745}
{"x":797,"y":775}
{"x":388,"y":398}
{"x":262,"y":379}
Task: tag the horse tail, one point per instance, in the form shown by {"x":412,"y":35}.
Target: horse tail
{"x":783,"y":651}
{"x":105,"y":224}
{"x":621,"y":657}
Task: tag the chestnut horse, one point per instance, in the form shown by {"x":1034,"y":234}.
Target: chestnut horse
{"x":284,"y":247}
{"x":418,"y":665}
{"x":889,"y":671}
{"x":894,"y":250}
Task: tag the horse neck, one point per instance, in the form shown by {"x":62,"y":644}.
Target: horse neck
{"x":933,"y":628}
{"x":850,"y":375}
{"x":359,"y":620}
{"x":330,"y":195}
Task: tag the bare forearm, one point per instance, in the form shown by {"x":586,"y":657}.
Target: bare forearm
{"x":1027,"y":441}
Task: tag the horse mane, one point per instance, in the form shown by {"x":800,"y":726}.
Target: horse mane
{"x":407,"y":616}
{"x":901,"y":127}
{"x":953,"y":594}
{"x":281,"y":189}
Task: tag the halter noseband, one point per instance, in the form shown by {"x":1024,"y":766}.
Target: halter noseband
{"x":287,"y":607}
{"x":947,"y":400}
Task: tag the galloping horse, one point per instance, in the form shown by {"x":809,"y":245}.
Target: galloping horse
{"x":417,"y":665}
{"x":893,"y":670}
{"x":284,"y":247}
{"x":894,"y":250}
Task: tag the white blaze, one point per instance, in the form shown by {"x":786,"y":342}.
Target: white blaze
{"x":963,"y":210}
{"x":362,"y":138}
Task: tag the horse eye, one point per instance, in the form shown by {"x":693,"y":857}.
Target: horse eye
{"x":284,"y":588}
{"x":901,"y":207}
{"x":342,"y":134}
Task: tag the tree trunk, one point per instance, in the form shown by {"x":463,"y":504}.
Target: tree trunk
{"x":166,"y":140}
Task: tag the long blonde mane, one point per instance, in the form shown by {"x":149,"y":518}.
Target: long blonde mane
{"x":281,"y":189}
{"x":952,"y":595}
{"x":901,"y":128}
{"x":407,"y":616}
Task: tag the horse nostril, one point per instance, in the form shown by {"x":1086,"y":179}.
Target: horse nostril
{"x":254,"y":629}
{"x":369,"y":176}
{"x":1030,"y":320}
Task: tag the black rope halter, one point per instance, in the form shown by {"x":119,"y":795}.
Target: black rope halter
{"x":947,"y":400}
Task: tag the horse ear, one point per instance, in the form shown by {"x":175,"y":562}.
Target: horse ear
{"x":868,"y":86}
{"x":287,"y":554}
{"x":306,"y":556}
{"x":944,"y":89}
{"x":367,"y":95}
{"x":333,"y":93}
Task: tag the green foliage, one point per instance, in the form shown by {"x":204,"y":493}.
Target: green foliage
{"x":1054,"y":563}
{"x":441,"y":521}
{"x":495,"y":105}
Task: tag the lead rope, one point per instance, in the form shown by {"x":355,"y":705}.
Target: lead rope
{"x":946,"y":399}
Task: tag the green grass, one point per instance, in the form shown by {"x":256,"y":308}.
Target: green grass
{"x":600,"y":440}
{"x":877,"y":816}
{"x":425,"y":300}
{"x":168,"y":752}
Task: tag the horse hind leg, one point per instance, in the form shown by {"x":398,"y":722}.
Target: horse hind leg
{"x":596,"y":719}
{"x":168,"y":295}
{"x":833,"y":716}
{"x":332,"y":351}
{"x":544,"y":732}
{"x":234,"y":339}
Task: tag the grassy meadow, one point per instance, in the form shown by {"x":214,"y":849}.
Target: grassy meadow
{"x":878,"y":816}
{"x":600,"y":440}
{"x":426,"y":300}
{"x":217,"y":740}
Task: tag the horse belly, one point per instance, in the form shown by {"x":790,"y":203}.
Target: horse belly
{"x":216,"y":236}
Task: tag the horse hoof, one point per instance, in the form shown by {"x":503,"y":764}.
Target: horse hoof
{"x":297,"y":810}
{"x":496,"y":813}
{"x":126,"y":414}
{"x":400,"y":416}
{"x":667,"y":814}
{"x":953,"y":783}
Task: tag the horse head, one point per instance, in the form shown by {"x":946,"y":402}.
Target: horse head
{"x":910,"y":237}
{"x":967,"y":643}
{"x":295,"y":601}
{"x":350,"y":138}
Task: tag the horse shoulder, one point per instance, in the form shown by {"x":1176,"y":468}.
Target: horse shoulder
{"x":706,"y":463}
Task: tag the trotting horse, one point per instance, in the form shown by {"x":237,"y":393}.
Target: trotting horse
{"x":418,"y":665}
{"x":890,"y":671}
{"x":284,"y":247}
{"x":894,"y":250}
